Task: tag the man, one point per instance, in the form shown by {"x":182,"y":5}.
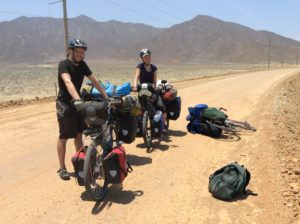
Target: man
{"x":71,"y":72}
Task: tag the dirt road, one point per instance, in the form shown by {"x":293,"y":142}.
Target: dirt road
{"x":168,"y":185}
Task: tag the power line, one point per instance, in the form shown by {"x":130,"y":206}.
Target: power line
{"x":19,"y":13}
{"x":158,"y":9}
{"x":50,"y":3}
{"x":138,"y":12}
{"x":174,"y":8}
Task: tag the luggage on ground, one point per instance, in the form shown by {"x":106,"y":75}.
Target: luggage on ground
{"x":215,"y":115}
{"x":229,"y":182}
{"x":197,"y":123}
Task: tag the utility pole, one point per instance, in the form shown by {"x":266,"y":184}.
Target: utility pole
{"x":65,"y":23}
{"x":297,"y":56}
{"x":269,"y":52}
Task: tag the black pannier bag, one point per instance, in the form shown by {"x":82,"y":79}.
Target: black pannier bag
{"x":127,"y":128}
{"x":93,"y":113}
{"x":173,"y":108}
{"x":139,"y":128}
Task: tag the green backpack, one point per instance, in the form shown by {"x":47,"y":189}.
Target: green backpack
{"x":213,"y":114}
{"x":229,"y":181}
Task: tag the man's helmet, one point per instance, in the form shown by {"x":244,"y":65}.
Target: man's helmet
{"x":145,"y":52}
{"x":74,"y":43}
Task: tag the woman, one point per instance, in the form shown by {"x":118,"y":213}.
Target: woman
{"x":147,"y":73}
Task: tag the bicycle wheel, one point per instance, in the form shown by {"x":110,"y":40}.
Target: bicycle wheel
{"x":225,"y":128}
{"x":147,"y":130}
{"x":241,"y":124}
{"x":167,"y":123}
{"x":94,"y":175}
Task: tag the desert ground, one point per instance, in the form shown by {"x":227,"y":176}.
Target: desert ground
{"x":169,"y":185}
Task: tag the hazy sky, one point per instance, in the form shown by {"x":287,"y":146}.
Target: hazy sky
{"x":279,"y":16}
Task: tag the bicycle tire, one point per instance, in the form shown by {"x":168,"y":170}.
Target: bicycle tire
{"x":94,"y":189}
{"x":167,"y":123}
{"x":241,"y":124}
{"x":225,"y":128}
{"x":147,"y":136}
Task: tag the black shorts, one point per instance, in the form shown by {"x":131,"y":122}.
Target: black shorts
{"x":69,"y":121}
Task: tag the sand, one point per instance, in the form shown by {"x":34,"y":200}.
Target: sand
{"x":168,"y":185}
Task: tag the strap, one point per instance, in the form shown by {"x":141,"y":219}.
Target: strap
{"x":76,"y":161}
{"x":129,"y":168}
{"x":114,"y":90}
{"x":81,"y":150}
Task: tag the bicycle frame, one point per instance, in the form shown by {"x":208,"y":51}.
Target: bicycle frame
{"x":93,"y":166}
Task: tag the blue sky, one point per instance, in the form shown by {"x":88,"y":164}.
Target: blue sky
{"x":281,"y":17}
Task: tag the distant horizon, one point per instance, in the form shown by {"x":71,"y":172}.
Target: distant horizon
{"x":148,"y":24}
{"x":278,"y":17}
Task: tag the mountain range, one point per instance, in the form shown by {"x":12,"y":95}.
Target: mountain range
{"x":203,"y":39}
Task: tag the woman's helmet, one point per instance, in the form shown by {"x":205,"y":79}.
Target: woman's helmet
{"x":145,"y":52}
{"x":74,"y":43}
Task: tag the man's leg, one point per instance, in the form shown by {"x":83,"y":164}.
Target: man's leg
{"x":61,"y":151}
{"x":78,"y":142}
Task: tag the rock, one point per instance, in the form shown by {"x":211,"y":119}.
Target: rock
{"x":297,"y":172}
{"x":285,"y":194}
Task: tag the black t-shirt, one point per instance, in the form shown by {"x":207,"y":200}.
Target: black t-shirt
{"x":145,"y":76}
{"x":77,"y":74}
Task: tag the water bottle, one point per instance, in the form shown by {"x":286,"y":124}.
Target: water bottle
{"x":158,"y":121}
{"x":157,"y":116}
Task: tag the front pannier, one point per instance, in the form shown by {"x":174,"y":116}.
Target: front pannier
{"x":93,"y":113}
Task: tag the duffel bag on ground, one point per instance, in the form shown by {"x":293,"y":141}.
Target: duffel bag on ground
{"x":195,"y":113}
{"x":196,"y":126}
{"x":215,"y":115}
{"x":229,"y":182}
